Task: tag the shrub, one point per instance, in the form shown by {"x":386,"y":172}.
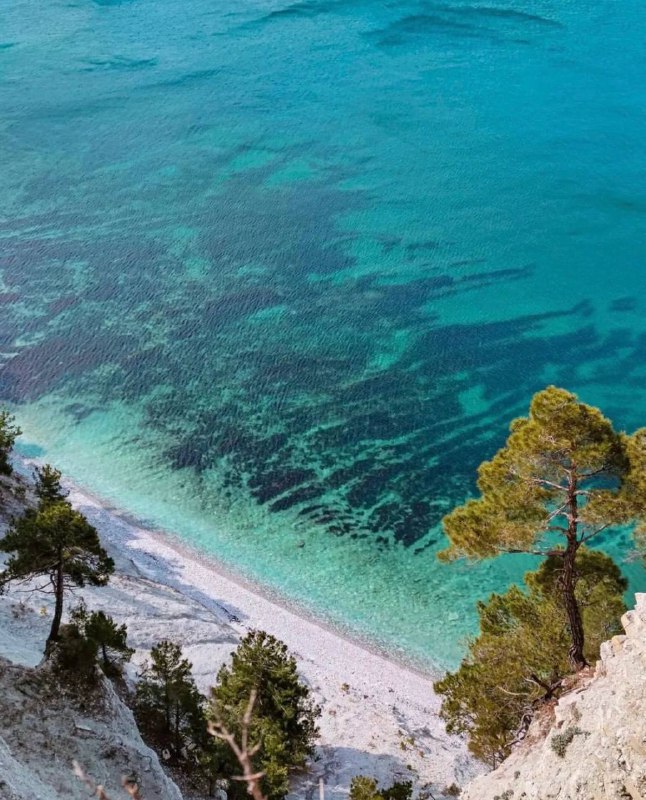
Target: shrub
{"x":560,"y":741}
{"x":73,"y":657}
{"x":452,"y":791}
{"x":365,"y":788}
{"x":108,"y":638}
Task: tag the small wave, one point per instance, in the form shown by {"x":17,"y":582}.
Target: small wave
{"x":118,"y":63}
{"x":299,"y":10}
{"x":488,"y":22}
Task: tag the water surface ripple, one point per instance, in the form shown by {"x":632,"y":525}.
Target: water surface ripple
{"x":275,"y":276}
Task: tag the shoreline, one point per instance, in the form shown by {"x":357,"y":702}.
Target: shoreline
{"x":265,"y":593}
{"x":380,"y":715}
{"x":81,"y":496}
{"x":167,"y":544}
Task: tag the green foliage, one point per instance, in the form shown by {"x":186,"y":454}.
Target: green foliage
{"x":73,"y":657}
{"x":42,"y":541}
{"x":400,"y":790}
{"x":563,"y":476}
{"x":561,"y":741}
{"x":170,"y":712}
{"x":9,"y":432}
{"x":284,"y":717}
{"x":168,"y":706}
{"x":108,"y":639}
{"x":521,"y":654}
{"x":57,"y":542}
{"x":47,"y":485}
{"x":525,"y":482}
{"x":365,"y":788}
{"x":631,"y":501}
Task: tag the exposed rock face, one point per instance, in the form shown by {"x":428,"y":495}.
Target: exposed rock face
{"x":596,"y":747}
{"x":42,"y":730}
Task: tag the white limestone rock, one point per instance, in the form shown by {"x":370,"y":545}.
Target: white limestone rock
{"x":601,"y":730}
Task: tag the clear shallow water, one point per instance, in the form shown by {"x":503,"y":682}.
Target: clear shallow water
{"x":276,"y":276}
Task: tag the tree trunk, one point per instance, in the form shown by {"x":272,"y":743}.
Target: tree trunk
{"x":105,"y":655}
{"x":178,"y":738}
{"x":568,"y":578}
{"x":568,"y":584}
{"x":58,"y":607}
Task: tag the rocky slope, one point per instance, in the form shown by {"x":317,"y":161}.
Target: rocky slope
{"x":44,"y":729}
{"x":594,"y":746}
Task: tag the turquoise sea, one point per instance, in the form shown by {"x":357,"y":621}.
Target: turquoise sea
{"x":274,"y":276}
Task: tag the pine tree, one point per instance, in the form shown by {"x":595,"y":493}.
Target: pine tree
{"x":47,"y":486}
{"x":284,"y":716}
{"x":9,"y":432}
{"x":108,"y":638}
{"x":168,"y":705}
{"x":563,"y":476}
{"x":57,"y":543}
{"x":519,"y":659}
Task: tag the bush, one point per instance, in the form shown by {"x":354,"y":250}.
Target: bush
{"x":108,"y":638}
{"x":284,"y":716}
{"x":560,"y":741}
{"x":365,"y":788}
{"x":73,"y":657}
{"x":452,"y":791}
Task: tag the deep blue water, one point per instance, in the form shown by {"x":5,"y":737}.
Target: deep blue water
{"x":276,"y":276}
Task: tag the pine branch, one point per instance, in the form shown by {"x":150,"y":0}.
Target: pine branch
{"x":594,"y":533}
{"x":550,"y":484}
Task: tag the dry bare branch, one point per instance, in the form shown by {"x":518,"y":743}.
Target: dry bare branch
{"x":98,"y":791}
{"x":242,"y":751}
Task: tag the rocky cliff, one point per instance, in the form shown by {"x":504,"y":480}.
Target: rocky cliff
{"x":44,"y":729}
{"x":593,"y":746}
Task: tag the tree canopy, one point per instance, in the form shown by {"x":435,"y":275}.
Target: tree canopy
{"x":169,"y":707}
{"x":284,"y":716}
{"x":563,"y":476}
{"x":110,"y":641}
{"x":57,"y":543}
{"x":363,"y":787}
{"x":47,"y":485}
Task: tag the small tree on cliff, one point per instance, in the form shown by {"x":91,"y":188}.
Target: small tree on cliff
{"x":563,"y":476}
{"x":169,"y":707}
{"x":109,"y":639}
{"x":47,"y":486}
{"x":9,"y":432}
{"x":56,"y":543}
{"x":284,"y":716}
